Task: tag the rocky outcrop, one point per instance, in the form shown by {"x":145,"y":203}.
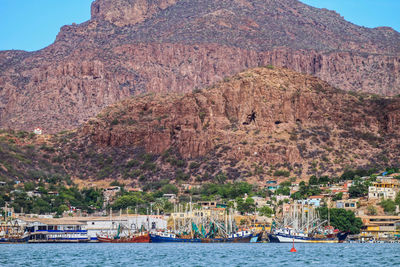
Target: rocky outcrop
{"x":298,"y":120}
{"x":127,"y":12}
{"x":134,"y":46}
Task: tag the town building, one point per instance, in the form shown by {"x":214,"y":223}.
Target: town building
{"x":38,"y":131}
{"x":349,"y":204}
{"x":384,"y":187}
{"x":315,"y":200}
{"x":272,"y":185}
{"x":380,"y":227}
{"x":259,"y":201}
{"x":170,"y":197}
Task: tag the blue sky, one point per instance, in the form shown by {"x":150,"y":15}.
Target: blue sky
{"x":33,"y":24}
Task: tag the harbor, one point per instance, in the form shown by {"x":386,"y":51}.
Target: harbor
{"x":298,"y":223}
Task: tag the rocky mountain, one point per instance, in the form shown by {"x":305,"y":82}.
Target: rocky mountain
{"x":130,"y":47}
{"x":264,"y":116}
{"x":263,"y":123}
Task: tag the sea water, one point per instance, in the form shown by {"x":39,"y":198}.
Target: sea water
{"x":199,"y":255}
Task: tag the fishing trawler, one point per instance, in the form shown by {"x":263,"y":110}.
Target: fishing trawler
{"x":124,"y":236}
{"x":302,"y":224}
{"x":171,"y":237}
{"x":238,"y":237}
{"x":11,"y":232}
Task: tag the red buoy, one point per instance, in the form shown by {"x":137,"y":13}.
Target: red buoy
{"x":293,"y":249}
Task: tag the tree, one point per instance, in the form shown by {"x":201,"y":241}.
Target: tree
{"x":283,"y":191}
{"x":220,"y":178}
{"x":358,"y":190}
{"x":61,"y":209}
{"x":344,"y":220}
{"x":397,"y":199}
{"x":389,"y":206}
{"x":127,"y":201}
{"x":265,"y":211}
{"x":116,"y":183}
{"x":169,"y":189}
{"x":313,"y":180}
{"x":29,"y":186}
{"x":338,"y":197}
{"x":245,"y":206}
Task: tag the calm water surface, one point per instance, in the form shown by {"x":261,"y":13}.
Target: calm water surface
{"x":199,"y":255}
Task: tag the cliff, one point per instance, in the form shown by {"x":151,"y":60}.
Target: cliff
{"x":268,"y":117}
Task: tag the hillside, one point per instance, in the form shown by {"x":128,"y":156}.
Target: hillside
{"x":130,"y":47}
{"x":302,"y":126}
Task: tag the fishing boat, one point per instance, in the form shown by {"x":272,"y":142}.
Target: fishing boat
{"x":239,"y":237}
{"x":124,"y":237}
{"x":140,"y":238}
{"x":290,"y":235}
{"x":171,"y":237}
{"x":302,"y":224}
{"x":14,"y":239}
{"x":11,"y":232}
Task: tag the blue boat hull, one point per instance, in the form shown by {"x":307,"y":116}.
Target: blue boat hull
{"x":14,"y":240}
{"x":161,"y":239}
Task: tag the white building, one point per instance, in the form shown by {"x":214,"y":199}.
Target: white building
{"x":110,"y":225}
{"x":381,"y":192}
{"x":93,"y":226}
{"x":38,"y":131}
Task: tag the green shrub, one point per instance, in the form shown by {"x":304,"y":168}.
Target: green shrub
{"x":282,"y":173}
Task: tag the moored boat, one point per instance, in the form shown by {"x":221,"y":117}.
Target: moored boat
{"x":138,"y":238}
{"x":302,"y":224}
{"x":14,"y":239}
{"x":11,"y":232}
{"x":170,"y":237}
{"x":59,"y":236}
{"x":240,"y":237}
{"x":288,"y":237}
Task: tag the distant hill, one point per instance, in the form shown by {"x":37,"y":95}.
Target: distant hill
{"x":130,"y":47}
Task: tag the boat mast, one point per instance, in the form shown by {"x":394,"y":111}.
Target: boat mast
{"x":308,"y":218}
{"x":191,"y":217}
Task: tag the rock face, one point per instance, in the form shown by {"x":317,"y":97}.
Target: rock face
{"x":134,"y":46}
{"x":298,"y":120}
{"x":127,"y":12}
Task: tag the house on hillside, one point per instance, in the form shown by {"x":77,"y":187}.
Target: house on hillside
{"x":170,"y":197}
{"x":384,"y":187}
{"x":259,"y":201}
{"x":272,"y":185}
{"x":315,"y":200}
{"x":349,"y":204}
{"x":38,"y":131}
